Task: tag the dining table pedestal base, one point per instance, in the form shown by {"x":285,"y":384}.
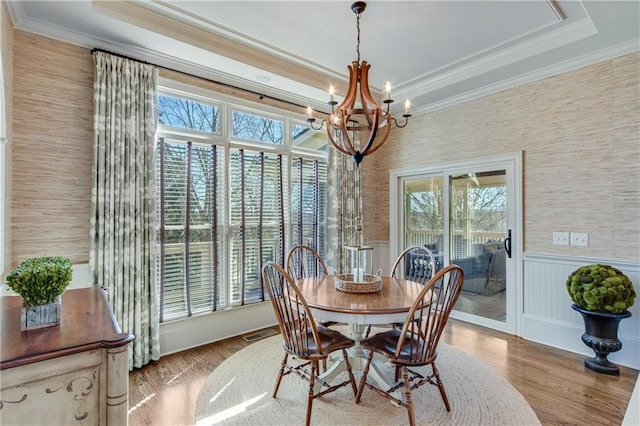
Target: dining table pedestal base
{"x":357,"y":358}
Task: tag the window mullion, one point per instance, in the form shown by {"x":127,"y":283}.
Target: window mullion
{"x":243,"y":218}
{"x":214,"y":226}
{"x":187,"y":230}
{"x":162,"y":226}
{"x":316,"y":210}
{"x":301,"y":205}
{"x":280,"y":190}
{"x":260,"y":222}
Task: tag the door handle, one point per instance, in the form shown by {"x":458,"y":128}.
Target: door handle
{"x":507,"y":243}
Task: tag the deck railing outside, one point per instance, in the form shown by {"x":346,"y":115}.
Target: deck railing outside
{"x":462,"y":249}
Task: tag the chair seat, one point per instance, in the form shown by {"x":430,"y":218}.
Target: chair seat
{"x":386,"y":343}
{"x":330,"y":340}
{"x":333,"y":340}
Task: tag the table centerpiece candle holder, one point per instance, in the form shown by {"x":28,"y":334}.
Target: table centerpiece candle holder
{"x":359,"y":257}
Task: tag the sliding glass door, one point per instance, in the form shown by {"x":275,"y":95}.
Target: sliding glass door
{"x":424,"y":213}
{"x":466,"y":215}
{"x":477,"y":237}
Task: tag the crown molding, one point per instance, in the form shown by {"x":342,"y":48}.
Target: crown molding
{"x":25,"y":23}
{"x":556,"y":10}
{"x":547,"y":41}
{"x":542,"y":73}
{"x":185,"y":31}
{"x":182,"y":66}
{"x":318,"y":79}
{"x":16,"y":11}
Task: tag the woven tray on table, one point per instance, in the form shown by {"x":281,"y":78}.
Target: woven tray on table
{"x":371,"y":284}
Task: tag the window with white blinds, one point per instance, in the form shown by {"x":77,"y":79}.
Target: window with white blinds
{"x":309,"y":203}
{"x":189,"y":197}
{"x":228,"y":204}
{"x":257,"y":220}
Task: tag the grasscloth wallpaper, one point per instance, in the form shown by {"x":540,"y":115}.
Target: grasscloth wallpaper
{"x":579,"y":132}
{"x":580,"y":137}
{"x":7,"y":70}
{"x":52,"y":148}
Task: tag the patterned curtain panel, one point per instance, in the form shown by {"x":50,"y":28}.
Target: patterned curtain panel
{"x":344,"y":207}
{"x":122,"y":254}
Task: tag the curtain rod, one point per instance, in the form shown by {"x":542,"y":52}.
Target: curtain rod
{"x":231,"y":86}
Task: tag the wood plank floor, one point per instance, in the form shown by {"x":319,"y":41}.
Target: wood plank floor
{"x":554,"y":382}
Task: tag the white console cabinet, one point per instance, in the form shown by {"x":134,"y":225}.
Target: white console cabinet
{"x":75,"y":373}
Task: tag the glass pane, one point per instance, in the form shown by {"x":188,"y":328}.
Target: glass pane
{"x":424,"y":221}
{"x":256,"y":199}
{"x":307,"y":138}
{"x":201,"y":273}
{"x":175,"y":292}
{"x":256,"y":128}
{"x":191,"y":191}
{"x":308,"y":203}
{"x":478,"y":226}
{"x":174,"y":304}
{"x":187,"y":114}
{"x":201,"y":232}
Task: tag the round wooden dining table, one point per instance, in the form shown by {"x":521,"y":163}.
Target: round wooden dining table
{"x":390,"y":305}
{"x":358,"y":310}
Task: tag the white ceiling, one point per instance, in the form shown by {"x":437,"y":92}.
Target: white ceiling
{"x":436,"y":53}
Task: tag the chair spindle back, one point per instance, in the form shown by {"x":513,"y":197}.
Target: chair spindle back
{"x":296,"y":322}
{"x":429,"y":314}
{"x":415,"y":264}
{"x":304,"y":262}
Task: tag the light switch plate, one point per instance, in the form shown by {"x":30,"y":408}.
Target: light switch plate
{"x":580,"y":239}
{"x":561,"y":238}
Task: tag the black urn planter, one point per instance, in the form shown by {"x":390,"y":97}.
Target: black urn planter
{"x":601,"y":335}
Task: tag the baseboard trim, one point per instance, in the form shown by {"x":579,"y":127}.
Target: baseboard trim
{"x":567,"y":336}
{"x":177,"y":336}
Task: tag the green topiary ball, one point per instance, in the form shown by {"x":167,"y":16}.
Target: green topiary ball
{"x":40,"y":280}
{"x":601,"y":288}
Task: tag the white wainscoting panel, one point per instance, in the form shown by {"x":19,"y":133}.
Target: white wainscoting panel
{"x":632,"y":415}
{"x":549,"y":319}
{"x":381,"y":257}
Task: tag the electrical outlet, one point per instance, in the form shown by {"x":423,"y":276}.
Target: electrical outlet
{"x":580,"y":239}
{"x":561,"y":238}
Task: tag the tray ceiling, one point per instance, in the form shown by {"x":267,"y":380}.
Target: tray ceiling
{"x":436,"y":53}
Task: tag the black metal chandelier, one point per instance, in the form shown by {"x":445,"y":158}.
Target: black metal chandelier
{"x":359,"y":126}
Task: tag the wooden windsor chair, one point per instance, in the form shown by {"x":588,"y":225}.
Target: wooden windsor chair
{"x":415,"y":263}
{"x":415,"y":344}
{"x":304,"y":262}
{"x":301,"y":336}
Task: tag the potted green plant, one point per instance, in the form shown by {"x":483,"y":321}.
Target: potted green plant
{"x":602,"y":294}
{"x":40,"y":281}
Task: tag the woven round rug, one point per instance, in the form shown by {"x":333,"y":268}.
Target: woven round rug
{"x":238,"y":392}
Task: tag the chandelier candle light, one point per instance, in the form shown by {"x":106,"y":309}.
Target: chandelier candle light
{"x":359,"y":128}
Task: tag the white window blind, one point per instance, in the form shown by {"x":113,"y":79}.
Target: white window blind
{"x":309,"y":203}
{"x":189,"y":194}
{"x":257,"y":220}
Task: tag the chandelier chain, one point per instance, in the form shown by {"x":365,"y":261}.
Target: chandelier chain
{"x":358,"y":29}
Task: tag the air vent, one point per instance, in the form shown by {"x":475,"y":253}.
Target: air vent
{"x":259,"y":335}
